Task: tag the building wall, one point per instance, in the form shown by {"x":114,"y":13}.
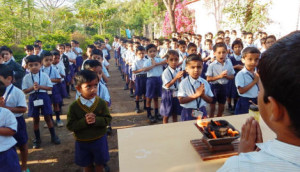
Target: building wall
{"x":284,"y":16}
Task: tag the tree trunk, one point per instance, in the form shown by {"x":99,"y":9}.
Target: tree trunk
{"x":170,"y":5}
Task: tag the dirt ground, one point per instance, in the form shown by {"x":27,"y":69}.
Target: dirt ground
{"x":60,"y":158}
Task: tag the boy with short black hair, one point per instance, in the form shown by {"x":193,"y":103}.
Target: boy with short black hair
{"x":194,"y":91}
{"x":278,"y":102}
{"x":246,"y":80}
{"x":36,"y":84}
{"x":88,"y":118}
{"x":218,"y":74}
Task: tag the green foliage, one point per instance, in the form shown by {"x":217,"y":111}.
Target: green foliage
{"x":250,"y":15}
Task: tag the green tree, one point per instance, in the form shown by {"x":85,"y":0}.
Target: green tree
{"x":249,"y":15}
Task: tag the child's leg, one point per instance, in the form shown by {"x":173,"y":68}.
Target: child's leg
{"x":56,"y":109}
{"x":166,"y":119}
{"x":36,"y":122}
{"x":148,"y":106}
{"x":157,"y":115}
{"x":54,"y":138}
{"x":24,"y":156}
{"x":229,"y":103}
{"x":174,"y":117}
{"x":99,"y":168}
{"x":220,"y":110}
{"x":89,"y":168}
{"x":212,"y":110}
{"x":145,"y":106}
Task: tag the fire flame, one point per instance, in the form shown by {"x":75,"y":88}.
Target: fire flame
{"x":201,"y":123}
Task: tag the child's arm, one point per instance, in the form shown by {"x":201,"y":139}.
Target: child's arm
{"x":4,"y":131}
{"x":56,"y":80}
{"x":230,"y":77}
{"x":177,"y":77}
{"x":199,"y":93}
{"x":41,"y":87}
{"x":28,"y":90}
{"x":214,"y":78}
{"x":246,"y":88}
{"x":16,"y":109}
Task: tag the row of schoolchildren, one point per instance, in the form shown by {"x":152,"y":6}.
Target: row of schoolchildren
{"x":47,"y":76}
{"x":179,"y":81}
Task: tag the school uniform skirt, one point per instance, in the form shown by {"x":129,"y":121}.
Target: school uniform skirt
{"x":186,"y":113}
{"x":169,"y":105}
{"x":140,"y":84}
{"x":56,"y":96}
{"x":87,"y":153}
{"x":153,"y":87}
{"x":21,"y":134}
{"x":9,"y":161}
{"x":243,"y":104}
{"x":45,"y":109}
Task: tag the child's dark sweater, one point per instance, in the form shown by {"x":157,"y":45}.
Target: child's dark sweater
{"x":76,"y":120}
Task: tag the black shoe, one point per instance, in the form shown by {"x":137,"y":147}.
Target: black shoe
{"x":126,"y":87}
{"x":36,"y":143}
{"x":109,"y":131}
{"x":137,"y":110}
{"x":152,"y":119}
{"x":158,"y":117}
{"x":55,"y":140}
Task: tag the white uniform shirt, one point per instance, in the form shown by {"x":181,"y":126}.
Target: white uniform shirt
{"x":7,"y":120}
{"x":103,"y":92}
{"x":216,"y":68}
{"x":71,"y":55}
{"x":139,"y":64}
{"x":167,"y":76}
{"x":14,"y":97}
{"x":274,"y":155}
{"x":51,"y":72}
{"x":41,"y":78}
{"x":87,"y":102}
{"x":60,"y":70}
{"x":244,"y":78}
{"x":186,"y":89}
{"x":157,"y":70}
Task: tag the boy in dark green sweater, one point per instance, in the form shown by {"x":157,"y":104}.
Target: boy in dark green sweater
{"x":88,"y":118}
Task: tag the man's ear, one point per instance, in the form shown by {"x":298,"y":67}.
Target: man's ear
{"x":277,"y":109}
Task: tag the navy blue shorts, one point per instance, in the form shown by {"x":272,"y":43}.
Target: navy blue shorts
{"x":46,"y":109}
{"x":186,"y":113}
{"x":153,"y":87}
{"x":21,"y":134}
{"x":9,"y":161}
{"x":243,"y":104}
{"x":169,"y":105}
{"x":87,"y":153}
{"x":140,"y":84}
{"x":56,"y":96}
{"x":220,"y":92}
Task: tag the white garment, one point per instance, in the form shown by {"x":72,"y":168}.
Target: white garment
{"x":274,"y":155}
